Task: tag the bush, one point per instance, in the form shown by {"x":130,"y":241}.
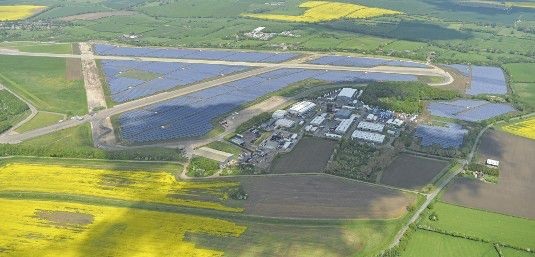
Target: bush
{"x":484,"y":169}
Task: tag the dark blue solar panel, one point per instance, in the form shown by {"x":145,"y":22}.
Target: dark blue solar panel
{"x":487,"y":80}
{"x":450,"y":136}
{"x":468,"y":110}
{"x":364,"y":62}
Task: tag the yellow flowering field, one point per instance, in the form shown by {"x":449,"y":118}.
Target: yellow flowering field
{"x":320,"y":11}
{"x":18,"y":12}
{"x":523,"y":128}
{"x":51,"y":229}
{"x":136,"y":186}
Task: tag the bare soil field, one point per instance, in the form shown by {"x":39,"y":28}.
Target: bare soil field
{"x":321,"y":197}
{"x":310,"y":155}
{"x":96,"y":15}
{"x":74,"y":69}
{"x":513,"y":194}
{"x":412,"y":172}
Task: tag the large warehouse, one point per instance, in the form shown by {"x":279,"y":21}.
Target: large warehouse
{"x":368,"y":136}
{"x":302,"y":108}
{"x":364,"y":125}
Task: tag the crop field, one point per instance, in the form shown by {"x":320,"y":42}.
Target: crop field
{"x":192,"y":115}
{"x":515,"y":187}
{"x":177,"y":53}
{"x":47,"y":88}
{"x":412,"y":172}
{"x":310,"y":155}
{"x":12,"y":110}
{"x":322,"y":197}
{"x":469,"y":110}
{"x":524,"y":128}
{"x":495,"y":227}
{"x":43,"y":228}
{"x":521,"y":72}
{"x":18,"y":12}
{"x":424,"y":242}
{"x":321,"y":11}
{"x":450,"y":136}
{"x":129,"y":80}
{"x":39,"y":47}
{"x":139,"y":186}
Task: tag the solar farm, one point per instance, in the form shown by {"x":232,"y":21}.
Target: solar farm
{"x":449,"y":136}
{"x":364,"y":62}
{"x":193,"y":115}
{"x":195,"y":54}
{"x":487,"y":80}
{"x":166,"y":76}
{"x":469,"y":110}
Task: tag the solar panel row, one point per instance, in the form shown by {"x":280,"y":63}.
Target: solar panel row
{"x":197,"y":54}
{"x":192,"y":115}
{"x":364,"y":62}
{"x":469,"y":110}
{"x":450,"y":136}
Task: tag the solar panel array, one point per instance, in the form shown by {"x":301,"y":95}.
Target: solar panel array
{"x":168,"y":76}
{"x":450,"y":136}
{"x":197,"y":54}
{"x":487,"y":80}
{"x":469,"y":110}
{"x":192,"y":115}
{"x":462,"y":68}
{"x":364,"y":62}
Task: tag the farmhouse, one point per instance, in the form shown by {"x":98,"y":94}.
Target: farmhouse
{"x":302,"y":108}
{"x":216,"y":155}
{"x":368,"y":136}
{"x":364,"y":125}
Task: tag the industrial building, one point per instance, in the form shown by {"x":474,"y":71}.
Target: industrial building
{"x":216,"y":155}
{"x":318,"y":120}
{"x":370,"y":126}
{"x":368,"y":136}
{"x":279,"y":114}
{"x":345,"y":125}
{"x":395,"y":122}
{"x":302,"y":108}
{"x":343,"y":114}
{"x":346,"y":94}
{"x":284,"y":123}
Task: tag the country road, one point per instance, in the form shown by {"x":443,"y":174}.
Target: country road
{"x":258,"y":68}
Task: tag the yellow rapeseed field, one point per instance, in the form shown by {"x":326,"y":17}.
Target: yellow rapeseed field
{"x":52,"y":229}
{"x":18,"y":12}
{"x":523,"y":128}
{"x":320,"y":11}
{"x":137,"y":186}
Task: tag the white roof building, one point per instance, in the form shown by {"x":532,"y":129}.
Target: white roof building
{"x":364,"y":125}
{"x":347,"y":93}
{"x":371,"y":117}
{"x":492,"y":162}
{"x":302,"y":108}
{"x":368,"y":136}
{"x":279,"y":114}
{"x":216,"y":155}
{"x":395,"y":122}
{"x":284,"y":123}
{"x":345,"y":125}
{"x":318,"y":120}
{"x":335,"y":136}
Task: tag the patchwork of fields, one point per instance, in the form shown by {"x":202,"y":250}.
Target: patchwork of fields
{"x":321,"y":11}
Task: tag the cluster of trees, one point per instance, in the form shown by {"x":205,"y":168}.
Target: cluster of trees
{"x":478,"y":167}
{"x":10,"y":108}
{"x":202,"y":167}
{"x":404,"y":97}
{"x":359,"y":161}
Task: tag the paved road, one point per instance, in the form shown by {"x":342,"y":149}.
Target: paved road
{"x":260,"y":68}
{"x":434,"y":71}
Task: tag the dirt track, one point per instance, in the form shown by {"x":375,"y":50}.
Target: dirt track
{"x":514,"y":192}
{"x":321,"y":197}
{"x":412,"y":172}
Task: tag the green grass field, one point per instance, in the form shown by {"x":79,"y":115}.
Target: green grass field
{"x":262,"y":239}
{"x":508,"y":252}
{"x":521,"y":72}
{"x":425,"y":244}
{"x":525,"y":93}
{"x":42,"y":81}
{"x":225,"y":147}
{"x":481,"y":224}
{"x":42,"y":119}
{"x":12,"y":110}
{"x":38,"y":47}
